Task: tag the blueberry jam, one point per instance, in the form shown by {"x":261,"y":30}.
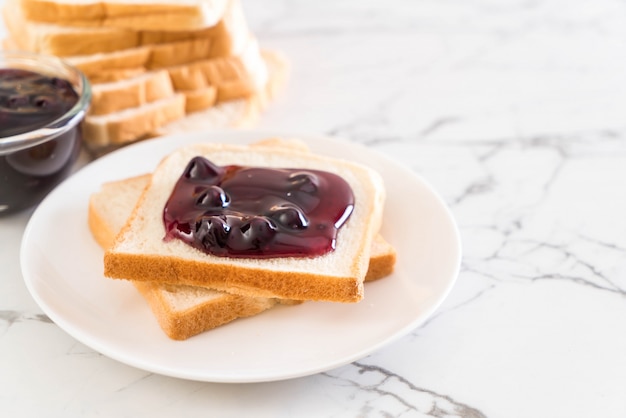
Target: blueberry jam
{"x":29,"y":101}
{"x":237,"y":211}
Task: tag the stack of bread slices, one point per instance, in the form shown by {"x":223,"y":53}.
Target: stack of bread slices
{"x":156,"y":66}
{"x":191,"y":292}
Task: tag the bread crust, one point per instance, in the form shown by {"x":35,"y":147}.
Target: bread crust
{"x":245,"y":281}
{"x":200,"y":99}
{"x":134,"y":92}
{"x":131,"y":124}
{"x":204,"y":316}
{"x":76,"y":36}
{"x":230,"y":114}
{"x":130,"y":14}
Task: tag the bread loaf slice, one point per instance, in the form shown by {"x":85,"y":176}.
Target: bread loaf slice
{"x":52,"y":39}
{"x":140,"y":253}
{"x":247,"y":66}
{"x":133,"y":123}
{"x":107,"y":132}
{"x":226,"y":34}
{"x":229,"y":35}
{"x":132,"y":92}
{"x":199,"y":99}
{"x":124,"y":59}
{"x":143,"y":14}
{"x":238,"y":113}
{"x":112,"y":75}
{"x":203,"y":82}
{"x":185,"y":311}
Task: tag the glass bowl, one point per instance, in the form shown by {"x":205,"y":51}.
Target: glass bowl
{"x":38,"y":155}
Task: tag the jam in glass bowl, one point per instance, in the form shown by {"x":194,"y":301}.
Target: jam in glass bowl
{"x":42,"y":103}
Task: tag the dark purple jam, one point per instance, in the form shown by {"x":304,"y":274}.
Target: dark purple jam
{"x":29,"y":101}
{"x":236,"y":211}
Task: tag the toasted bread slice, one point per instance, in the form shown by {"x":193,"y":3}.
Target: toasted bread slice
{"x":141,"y":254}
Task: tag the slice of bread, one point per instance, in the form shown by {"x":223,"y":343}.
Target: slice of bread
{"x":199,"y":99}
{"x":185,"y":311}
{"x":112,"y":75}
{"x":203,"y":82}
{"x":239,"y":113}
{"x":226,"y":34}
{"x":104,"y":133}
{"x":248,"y":67}
{"x":141,"y":254}
{"x":93,"y":64}
{"x":52,"y":39}
{"x":144,"y":14}
{"x":130,"y":124}
{"x":131,"y":92}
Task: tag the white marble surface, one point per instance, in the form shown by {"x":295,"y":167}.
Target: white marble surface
{"x":514,"y":111}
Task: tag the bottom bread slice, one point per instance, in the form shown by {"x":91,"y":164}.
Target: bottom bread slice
{"x":185,"y":311}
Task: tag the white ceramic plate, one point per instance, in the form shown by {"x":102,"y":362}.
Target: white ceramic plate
{"x":62,"y":267}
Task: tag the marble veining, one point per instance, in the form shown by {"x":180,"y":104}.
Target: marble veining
{"x":402,"y":398}
{"x":9,"y":318}
{"x":513,"y":112}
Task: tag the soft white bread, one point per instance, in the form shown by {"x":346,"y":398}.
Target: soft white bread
{"x":228,"y":35}
{"x":120,"y":60}
{"x":140,"y":253}
{"x":131,"y":92}
{"x":142,"y":14}
{"x":248,"y":67}
{"x":203,"y":82}
{"x":103,"y":133}
{"x":130,"y":124}
{"x":224,"y":37}
{"x":238,"y":113}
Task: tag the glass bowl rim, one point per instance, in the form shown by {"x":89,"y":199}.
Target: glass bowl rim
{"x":63,"y":123}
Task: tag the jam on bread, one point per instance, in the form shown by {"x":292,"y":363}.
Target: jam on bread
{"x":256,"y":212}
